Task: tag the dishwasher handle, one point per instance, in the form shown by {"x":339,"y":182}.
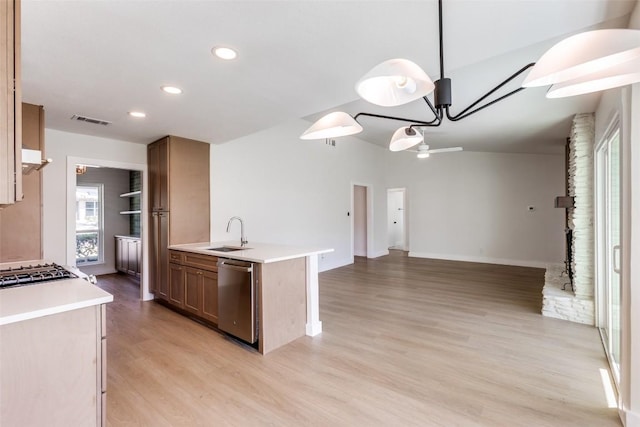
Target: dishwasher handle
{"x":226,"y":264}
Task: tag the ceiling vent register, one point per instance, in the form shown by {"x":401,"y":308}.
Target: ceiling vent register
{"x":90,"y":120}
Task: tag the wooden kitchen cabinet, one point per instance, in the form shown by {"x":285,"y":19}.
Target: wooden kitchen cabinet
{"x":128,"y":255}
{"x":193,"y":290}
{"x":21,"y":223}
{"x":10,"y":104}
{"x":195,"y":277}
{"x":178,"y":201}
{"x":176,"y":285}
{"x":158,"y":154}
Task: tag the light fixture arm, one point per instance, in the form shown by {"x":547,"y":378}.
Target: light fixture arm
{"x":435,"y":122}
{"x":466,"y":113}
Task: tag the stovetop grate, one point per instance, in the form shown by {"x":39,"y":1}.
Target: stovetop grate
{"x":33,"y":274}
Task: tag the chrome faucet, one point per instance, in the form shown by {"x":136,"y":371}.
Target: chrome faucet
{"x":243,"y":239}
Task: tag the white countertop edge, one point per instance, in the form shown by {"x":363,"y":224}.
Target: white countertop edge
{"x":261,"y":255}
{"x":5,"y":320}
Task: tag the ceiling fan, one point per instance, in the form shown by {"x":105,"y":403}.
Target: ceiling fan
{"x":424,"y":152}
{"x":407,"y":137}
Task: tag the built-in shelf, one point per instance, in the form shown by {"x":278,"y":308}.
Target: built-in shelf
{"x":131,"y":194}
{"x":129,"y":212}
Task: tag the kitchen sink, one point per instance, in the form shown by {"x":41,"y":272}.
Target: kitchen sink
{"x":226,"y":249}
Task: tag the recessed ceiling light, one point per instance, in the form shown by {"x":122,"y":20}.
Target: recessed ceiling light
{"x":224,"y":52}
{"x":171,"y":89}
{"x":138,"y":114}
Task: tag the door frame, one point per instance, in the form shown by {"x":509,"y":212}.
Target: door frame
{"x":601,"y":221}
{"x":405,"y":215}
{"x":369,"y":212}
{"x":72,"y":161}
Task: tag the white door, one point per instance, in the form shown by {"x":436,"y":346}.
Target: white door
{"x":608,"y":205}
{"x":396,"y":218}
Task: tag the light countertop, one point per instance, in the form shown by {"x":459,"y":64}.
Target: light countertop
{"x":43,"y":299}
{"x":253,"y":252}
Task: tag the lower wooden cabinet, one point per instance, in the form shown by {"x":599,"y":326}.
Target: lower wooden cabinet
{"x":128,"y":255}
{"x":193,"y":284}
{"x":176,"y":285}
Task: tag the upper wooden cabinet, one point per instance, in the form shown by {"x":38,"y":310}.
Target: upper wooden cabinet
{"x":10,"y":103}
{"x":158,"y":154}
{"x":179,"y":183}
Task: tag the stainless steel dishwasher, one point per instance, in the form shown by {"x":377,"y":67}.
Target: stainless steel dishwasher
{"x":237,"y":299}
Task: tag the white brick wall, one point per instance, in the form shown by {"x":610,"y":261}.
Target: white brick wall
{"x":576,"y":306}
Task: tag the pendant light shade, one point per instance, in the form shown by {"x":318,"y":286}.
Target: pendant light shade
{"x":403,"y":138}
{"x":619,"y":75}
{"x":332,"y":125}
{"x":584,"y":54}
{"x":394,"y":82}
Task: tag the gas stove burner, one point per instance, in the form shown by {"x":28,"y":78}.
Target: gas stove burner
{"x":33,"y":274}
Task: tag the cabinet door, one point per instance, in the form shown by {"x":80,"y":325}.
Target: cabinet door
{"x":120,"y":255}
{"x":139,"y":257}
{"x":193,"y":290}
{"x":132,"y":256}
{"x":176,"y":285}
{"x":159,"y":259}
{"x":163,"y":254}
{"x":153,"y":253}
{"x":210,"y":296}
{"x":158,"y":160}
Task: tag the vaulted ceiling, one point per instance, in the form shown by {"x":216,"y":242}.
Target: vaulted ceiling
{"x":297,"y":59}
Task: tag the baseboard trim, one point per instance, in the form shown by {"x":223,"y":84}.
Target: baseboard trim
{"x":484,"y":260}
{"x":631,"y":418}
{"x":379,"y":253}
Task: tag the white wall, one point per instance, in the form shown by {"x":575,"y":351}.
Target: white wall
{"x":66,"y":149}
{"x":115,"y":182}
{"x":472,"y":206}
{"x":296,"y":192}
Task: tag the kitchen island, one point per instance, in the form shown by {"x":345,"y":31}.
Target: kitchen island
{"x":53,"y":354}
{"x":287,"y":285}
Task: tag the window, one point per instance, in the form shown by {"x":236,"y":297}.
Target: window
{"x":89,"y":224}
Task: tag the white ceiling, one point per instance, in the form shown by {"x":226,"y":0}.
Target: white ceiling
{"x":297,"y":59}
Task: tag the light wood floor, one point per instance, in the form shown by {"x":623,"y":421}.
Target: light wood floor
{"x":405,"y":342}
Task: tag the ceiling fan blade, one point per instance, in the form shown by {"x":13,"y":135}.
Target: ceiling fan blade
{"x":444,"y":150}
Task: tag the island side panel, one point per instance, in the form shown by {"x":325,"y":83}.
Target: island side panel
{"x":282,"y":303}
{"x":48,"y":373}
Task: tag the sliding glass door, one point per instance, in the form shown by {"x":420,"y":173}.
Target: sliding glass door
{"x":608,"y":205}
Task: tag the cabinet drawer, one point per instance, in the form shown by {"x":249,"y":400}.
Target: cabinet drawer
{"x":206,"y":262}
{"x":176,"y":256}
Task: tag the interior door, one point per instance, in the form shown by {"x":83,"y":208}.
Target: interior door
{"x":608,"y":205}
{"x":395,"y":219}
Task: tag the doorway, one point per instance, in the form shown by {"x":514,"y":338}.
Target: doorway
{"x":140,"y":224}
{"x":608,"y":254}
{"x":360,"y":241}
{"x":396,"y":218}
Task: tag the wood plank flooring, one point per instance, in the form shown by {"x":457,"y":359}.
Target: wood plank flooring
{"x":405,"y":342}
